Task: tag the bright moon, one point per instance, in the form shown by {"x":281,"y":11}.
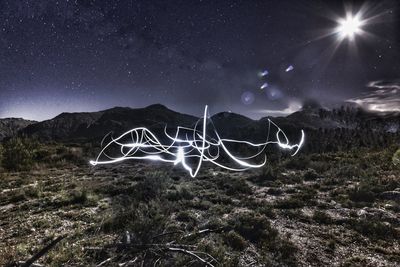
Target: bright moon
{"x":349,"y":26}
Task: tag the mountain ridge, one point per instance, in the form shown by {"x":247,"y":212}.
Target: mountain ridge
{"x":93,"y":126}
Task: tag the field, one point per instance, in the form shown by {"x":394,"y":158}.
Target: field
{"x":331,"y":209}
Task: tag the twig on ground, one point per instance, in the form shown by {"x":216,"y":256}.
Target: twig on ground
{"x":42,"y":252}
{"x":193,"y":254}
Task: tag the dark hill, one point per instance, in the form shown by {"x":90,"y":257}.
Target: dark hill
{"x":95,"y":125}
{"x":10,"y":126}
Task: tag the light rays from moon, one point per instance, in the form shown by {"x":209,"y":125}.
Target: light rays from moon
{"x":350,"y":26}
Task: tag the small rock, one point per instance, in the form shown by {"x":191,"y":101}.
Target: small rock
{"x":388,"y":206}
{"x":361,"y":213}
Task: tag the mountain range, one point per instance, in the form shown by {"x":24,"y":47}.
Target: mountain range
{"x":93,"y":126}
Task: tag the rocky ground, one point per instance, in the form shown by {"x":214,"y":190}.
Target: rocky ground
{"x":339,"y":209}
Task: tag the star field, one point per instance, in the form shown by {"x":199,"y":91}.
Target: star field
{"x":87,"y":55}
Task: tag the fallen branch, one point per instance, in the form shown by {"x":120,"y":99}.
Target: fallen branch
{"x":193,"y":254}
{"x":167,"y":233}
{"x":104,"y":262}
{"x":128,"y":263}
{"x":205,"y":231}
{"x":42,"y":252}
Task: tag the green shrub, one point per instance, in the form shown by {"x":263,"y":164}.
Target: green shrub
{"x":1,"y":153}
{"x":233,"y":186}
{"x":79,"y":197}
{"x":143,"y":220}
{"x":254,"y":227}
{"x":348,"y":171}
{"x":396,"y":158}
{"x":310,"y":175}
{"x":322,"y":217}
{"x":331,"y":245}
{"x":235,"y":241}
{"x":185,"y":216}
{"x":18,"y":154}
{"x":269,"y":173}
{"x":150,"y":188}
{"x":297,"y":163}
{"x":361,"y":194}
{"x":293,"y":202}
{"x":374,"y":229}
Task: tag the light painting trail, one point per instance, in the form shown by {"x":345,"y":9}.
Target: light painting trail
{"x":141,"y":143}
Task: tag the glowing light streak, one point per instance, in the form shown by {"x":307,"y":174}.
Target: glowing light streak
{"x":265,"y":85}
{"x":290,"y":68}
{"x":141,"y":143}
{"x":263,"y":73}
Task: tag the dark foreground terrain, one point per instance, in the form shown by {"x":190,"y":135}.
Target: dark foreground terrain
{"x":331,"y":209}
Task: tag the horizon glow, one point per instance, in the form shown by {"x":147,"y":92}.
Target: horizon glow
{"x":143,"y":144}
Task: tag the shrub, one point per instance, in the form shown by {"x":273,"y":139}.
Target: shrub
{"x":185,"y":216}
{"x":290,"y":203}
{"x":79,"y":197}
{"x":396,"y":158}
{"x":269,"y":173}
{"x":374,"y":229}
{"x":348,"y":171}
{"x":298,"y":163}
{"x":322,"y":217}
{"x":254,"y":227}
{"x":143,"y":220}
{"x":233,"y":186}
{"x":310,"y":175}
{"x":1,"y":153}
{"x":150,"y":188}
{"x":235,"y":241}
{"x":331,"y":245}
{"x":361,"y":194}
{"x":18,"y":154}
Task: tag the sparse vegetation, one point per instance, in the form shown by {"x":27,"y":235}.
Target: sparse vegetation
{"x":296,"y":212}
{"x":18,"y":154}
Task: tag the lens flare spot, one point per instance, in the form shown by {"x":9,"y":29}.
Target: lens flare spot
{"x":247,"y":98}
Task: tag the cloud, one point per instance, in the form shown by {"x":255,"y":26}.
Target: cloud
{"x":383,"y":97}
{"x":292,"y":107}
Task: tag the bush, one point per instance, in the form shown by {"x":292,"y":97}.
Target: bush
{"x":396,"y":158}
{"x":185,"y":216}
{"x":361,"y":194}
{"x":322,"y":217}
{"x":254,"y":227}
{"x":310,"y":175}
{"x":1,"y":153}
{"x":233,"y":186}
{"x":290,"y":203}
{"x":235,"y":241}
{"x":298,"y":163}
{"x":143,"y":220}
{"x":18,"y":154}
{"x":269,"y":173}
{"x":374,"y":229}
{"x":150,"y":188}
{"x":79,"y":197}
{"x":331,"y":245}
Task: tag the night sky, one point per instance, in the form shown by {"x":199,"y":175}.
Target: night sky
{"x":89,"y":55}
